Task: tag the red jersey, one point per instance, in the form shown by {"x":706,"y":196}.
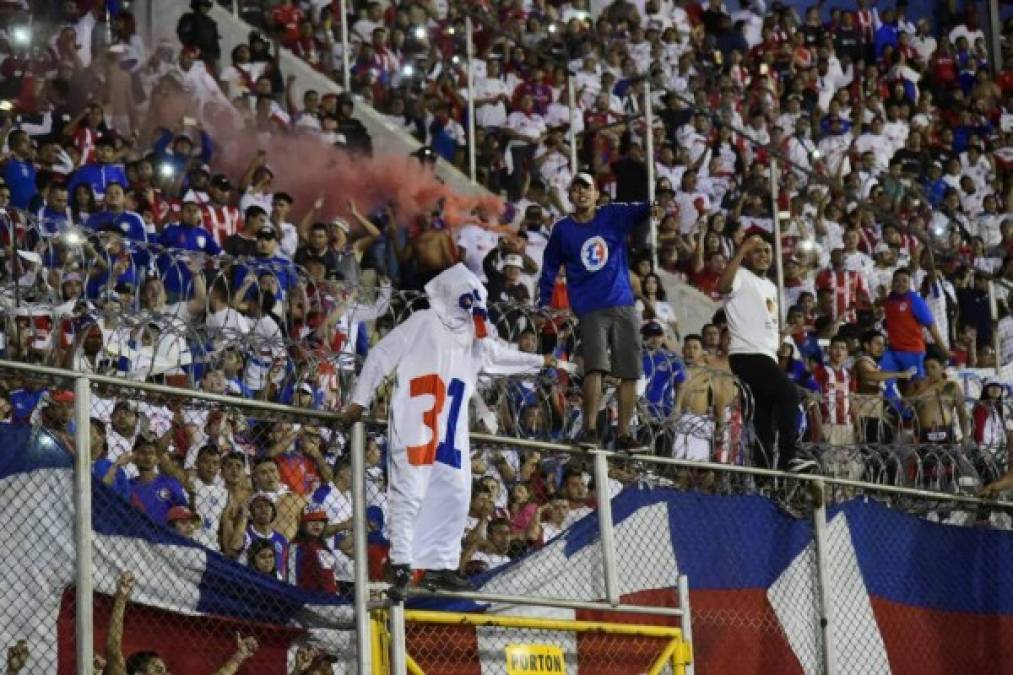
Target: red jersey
{"x":288,"y":18}
{"x":905,"y":316}
{"x":836,"y":385}
{"x":221,"y":221}
{"x":849,"y":291}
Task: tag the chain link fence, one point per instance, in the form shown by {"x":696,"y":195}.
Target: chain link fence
{"x":208,"y":547}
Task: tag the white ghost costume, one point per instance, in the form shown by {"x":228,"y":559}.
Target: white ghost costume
{"x":436,"y":357}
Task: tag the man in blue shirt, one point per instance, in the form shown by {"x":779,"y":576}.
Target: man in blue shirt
{"x":591,"y":244}
{"x":664,"y":370}
{"x":266,"y":262}
{"x":187,"y":235}
{"x":152,"y":492}
{"x":19,"y":170}
{"x":130,"y":224}
{"x":101,"y":173}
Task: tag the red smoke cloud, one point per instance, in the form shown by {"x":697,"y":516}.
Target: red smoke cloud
{"x":306,"y":168}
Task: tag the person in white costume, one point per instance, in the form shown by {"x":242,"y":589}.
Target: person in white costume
{"x":436,"y":357}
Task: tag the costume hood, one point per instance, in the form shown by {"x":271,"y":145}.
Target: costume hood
{"x":458,"y":298}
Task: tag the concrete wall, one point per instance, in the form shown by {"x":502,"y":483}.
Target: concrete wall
{"x":157,"y":20}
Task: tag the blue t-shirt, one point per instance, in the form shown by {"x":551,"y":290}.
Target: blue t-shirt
{"x":20,"y":178}
{"x":281,"y":268}
{"x":664,"y":370}
{"x":157,"y":497}
{"x":99,"y":177}
{"x":130,"y":224}
{"x":121,"y":484}
{"x":174,"y":272}
{"x":594,"y":253}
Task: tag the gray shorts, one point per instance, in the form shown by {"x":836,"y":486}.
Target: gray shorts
{"x":612,"y":332}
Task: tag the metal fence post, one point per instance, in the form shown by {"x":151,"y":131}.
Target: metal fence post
{"x":361,"y":599}
{"x":608,"y":544}
{"x":825,"y":601}
{"x":82,"y":525}
{"x":398,"y":645}
{"x":649,"y":156}
{"x":346,"y":69}
{"x":472,"y":150}
{"x":686,"y":620}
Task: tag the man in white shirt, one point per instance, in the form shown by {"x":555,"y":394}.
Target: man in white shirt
{"x":752,"y":311}
{"x":875,"y":142}
{"x":525,"y":128}
{"x":491,"y":96}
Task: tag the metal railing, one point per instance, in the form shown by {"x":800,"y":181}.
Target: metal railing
{"x":806,"y":495}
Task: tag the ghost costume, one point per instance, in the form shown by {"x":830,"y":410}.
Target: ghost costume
{"x":436,"y":357}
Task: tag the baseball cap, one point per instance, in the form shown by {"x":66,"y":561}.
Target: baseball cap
{"x":882,"y":247}
{"x":313,"y":514}
{"x":266,"y":232}
{"x":221,"y":181}
{"x":126,"y":404}
{"x":202,"y":167}
{"x":61,"y":396}
{"x":513,"y":259}
{"x":70,"y":276}
{"x":342,"y":225}
{"x":652,"y":328}
{"x":585,"y":178}
{"x":124,"y":287}
{"x":180,"y":513}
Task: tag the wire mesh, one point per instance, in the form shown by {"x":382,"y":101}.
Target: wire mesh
{"x":440,"y":649}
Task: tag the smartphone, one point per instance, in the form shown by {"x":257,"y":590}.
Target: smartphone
{"x":764,"y":69}
{"x":189,"y":122}
{"x":718,"y":58}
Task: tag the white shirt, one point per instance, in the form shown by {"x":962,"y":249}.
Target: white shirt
{"x":209,"y":502}
{"x":490,"y":114}
{"x":531,"y":127}
{"x":751,"y":308}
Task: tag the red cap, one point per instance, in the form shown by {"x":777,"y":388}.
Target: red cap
{"x":61,"y":396}
{"x":180,"y":513}
{"x":314,"y":516}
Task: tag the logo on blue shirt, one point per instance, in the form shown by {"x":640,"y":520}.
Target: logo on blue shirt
{"x":594,"y":254}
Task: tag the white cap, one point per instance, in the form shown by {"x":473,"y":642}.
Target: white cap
{"x":513,"y":259}
{"x":583,"y":177}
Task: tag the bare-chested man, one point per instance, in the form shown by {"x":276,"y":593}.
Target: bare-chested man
{"x":431,"y":250}
{"x":868,"y":401}
{"x":936,"y":401}
{"x":701,"y":405}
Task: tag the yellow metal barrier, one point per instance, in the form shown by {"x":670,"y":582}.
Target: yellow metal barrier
{"x":676,"y":653}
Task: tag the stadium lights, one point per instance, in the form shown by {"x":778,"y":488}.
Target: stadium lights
{"x":21,"y":35}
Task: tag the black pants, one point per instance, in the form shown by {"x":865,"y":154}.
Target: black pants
{"x":775,"y":401}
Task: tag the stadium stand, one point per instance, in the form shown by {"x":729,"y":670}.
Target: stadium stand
{"x":167,"y":216}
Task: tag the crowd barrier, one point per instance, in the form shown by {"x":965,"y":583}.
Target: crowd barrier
{"x":782,"y":573}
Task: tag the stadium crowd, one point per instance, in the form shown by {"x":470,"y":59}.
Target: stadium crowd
{"x":130,"y":250}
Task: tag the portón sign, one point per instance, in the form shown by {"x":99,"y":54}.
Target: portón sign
{"x":534,"y":660}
